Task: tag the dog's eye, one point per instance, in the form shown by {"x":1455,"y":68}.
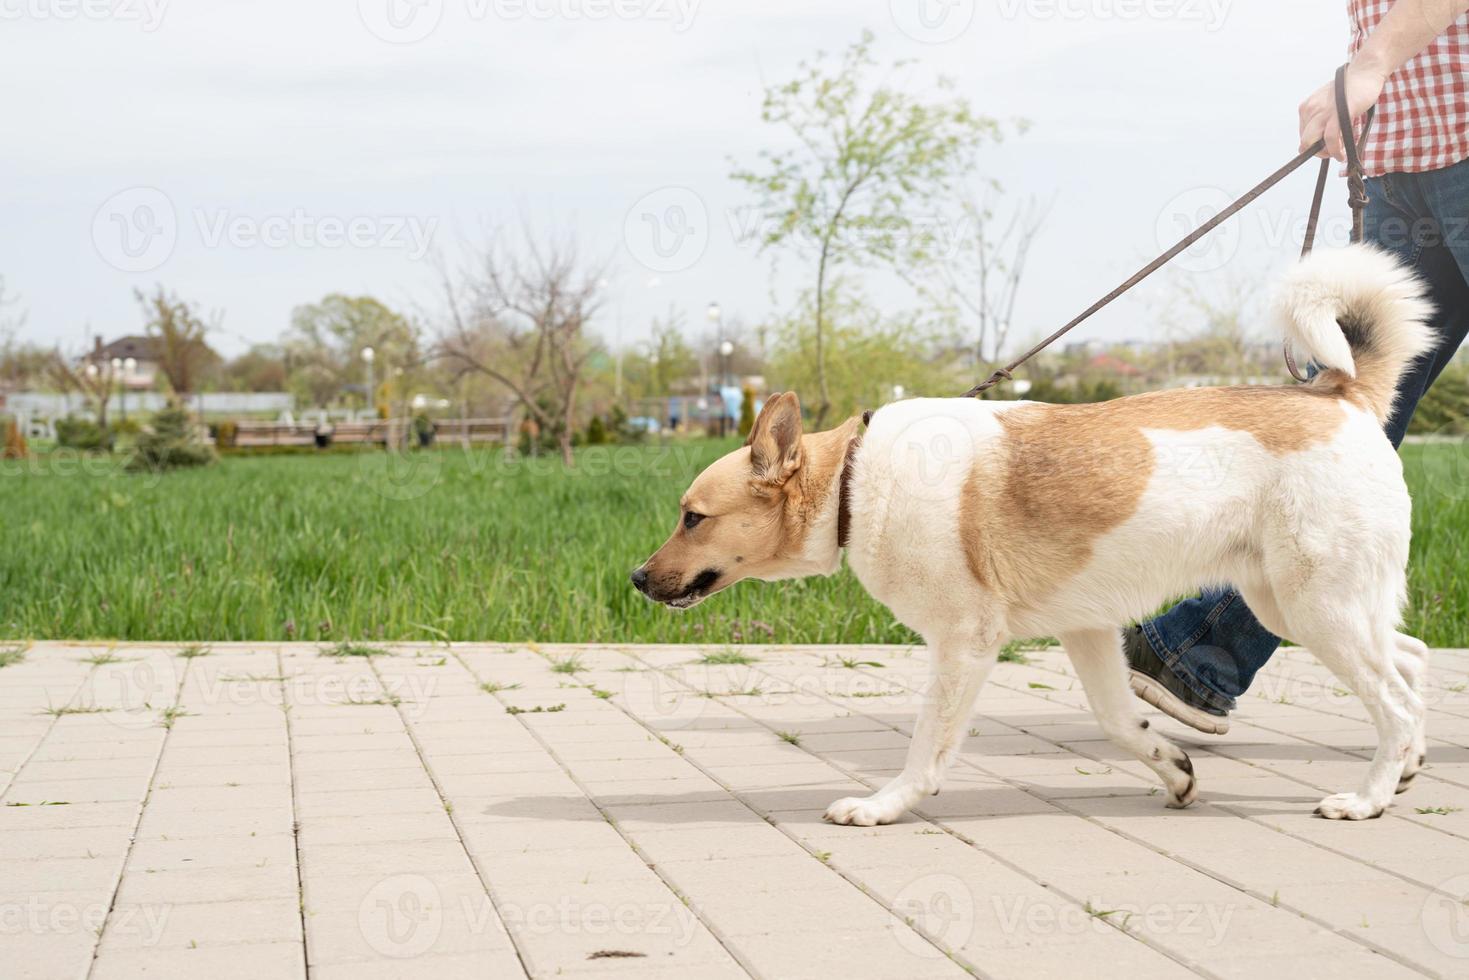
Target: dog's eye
{"x":691,"y":520}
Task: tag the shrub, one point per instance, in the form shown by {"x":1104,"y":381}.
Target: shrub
{"x":747,"y":410}
{"x":171,"y":444}
{"x":226,"y":434}
{"x":1444,"y":410}
{"x":74,"y":432}
{"x":15,"y":442}
{"x":424,"y":430}
{"x":596,"y":431}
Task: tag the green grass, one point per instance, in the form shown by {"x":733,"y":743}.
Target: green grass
{"x":469,"y":546}
{"x":347,"y":648}
{"x":727,"y":657}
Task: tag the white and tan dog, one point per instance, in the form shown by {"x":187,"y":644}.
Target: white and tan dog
{"x":980,"y":521}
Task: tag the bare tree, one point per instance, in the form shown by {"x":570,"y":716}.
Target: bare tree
{"x":93,"y":380}
{"x":978,"y":277}
{"x":519,"y":317}
{"x":183,"y":353}
{"x":11,"y":317}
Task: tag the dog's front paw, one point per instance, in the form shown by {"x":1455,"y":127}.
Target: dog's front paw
{"x":1348,"y":806}
{"x":865,"y":811}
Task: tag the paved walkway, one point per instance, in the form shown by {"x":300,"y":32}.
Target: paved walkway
{"x":489,"y":811}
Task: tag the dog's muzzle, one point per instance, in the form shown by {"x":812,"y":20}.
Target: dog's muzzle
{"x":688,"y":596}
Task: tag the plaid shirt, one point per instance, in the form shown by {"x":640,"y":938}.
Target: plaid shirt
{"x":1422,"y":120}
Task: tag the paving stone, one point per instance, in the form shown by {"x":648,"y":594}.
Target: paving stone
{"x":444,"y":837}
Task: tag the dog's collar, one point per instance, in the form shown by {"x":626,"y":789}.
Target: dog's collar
{"x":844,"y":491}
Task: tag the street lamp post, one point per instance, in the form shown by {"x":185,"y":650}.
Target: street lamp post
{"x":129,"y":368}
{"x":368,"y":354}
{"x":716,"y":317}
{"x":122,"y":391}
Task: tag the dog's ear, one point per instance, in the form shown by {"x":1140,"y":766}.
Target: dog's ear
{"x":775,"y":439}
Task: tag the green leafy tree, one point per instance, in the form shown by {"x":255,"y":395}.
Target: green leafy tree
{"x":869,"y":164}
{"x":871,"y":357}
{"x":663,"y":364}
{"x":325,"y":343}
{"x":170,"y":442}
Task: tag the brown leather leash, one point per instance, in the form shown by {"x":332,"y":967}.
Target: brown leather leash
{"x":1356,"y":198}
{"x":1356,"y":188}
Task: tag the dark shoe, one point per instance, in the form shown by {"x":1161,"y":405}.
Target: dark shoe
{"x":1157,"y":684}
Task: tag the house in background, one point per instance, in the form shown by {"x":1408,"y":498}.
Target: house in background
{"x":143,"y":351}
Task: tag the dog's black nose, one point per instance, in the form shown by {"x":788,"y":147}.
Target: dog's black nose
{"x":640,"y":579}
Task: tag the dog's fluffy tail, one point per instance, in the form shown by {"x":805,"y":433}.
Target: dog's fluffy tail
{"x":1360,"y":316}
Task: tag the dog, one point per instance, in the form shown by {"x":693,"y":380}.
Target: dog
{"x":977,"y":521}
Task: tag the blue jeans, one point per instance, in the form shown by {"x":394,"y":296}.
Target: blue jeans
{"x":1212,"y":642}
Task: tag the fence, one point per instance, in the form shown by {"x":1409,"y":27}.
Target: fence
{"x":385,"y":432}
{"x":37,"y":412}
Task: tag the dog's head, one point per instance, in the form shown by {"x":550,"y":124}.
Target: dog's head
{"x":749,"y":514}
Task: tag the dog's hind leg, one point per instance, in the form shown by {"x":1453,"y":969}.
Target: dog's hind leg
{"x":1368,"y":665}
{"x":1411,"y":660}
{"x":1097,"y":657}
{"x":957,"y":672}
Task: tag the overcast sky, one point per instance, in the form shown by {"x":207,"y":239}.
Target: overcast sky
{"x":253,"y":155}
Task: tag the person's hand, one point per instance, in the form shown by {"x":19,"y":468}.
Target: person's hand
{"x":1318,"y":113}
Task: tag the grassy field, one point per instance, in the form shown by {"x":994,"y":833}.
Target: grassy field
{"x":467,"y":546}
